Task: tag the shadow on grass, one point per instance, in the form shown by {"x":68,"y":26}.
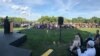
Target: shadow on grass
{"x":40,"y":40}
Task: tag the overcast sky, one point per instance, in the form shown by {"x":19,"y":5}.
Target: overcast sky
{"x":33,"y":9}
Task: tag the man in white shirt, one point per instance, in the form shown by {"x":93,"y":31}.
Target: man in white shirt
{"x":91,"y":51}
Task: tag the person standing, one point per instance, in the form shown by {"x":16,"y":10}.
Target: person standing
{"x":97,"y":46}
{"x":97,"y":34}
{"x":6,"y":26}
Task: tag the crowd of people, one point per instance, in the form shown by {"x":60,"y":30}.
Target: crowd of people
{"x":89,"y":47}
{"x":51,"y":26}
{"x":66,"y":25}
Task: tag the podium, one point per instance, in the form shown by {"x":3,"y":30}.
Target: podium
{"x":11,"y":27}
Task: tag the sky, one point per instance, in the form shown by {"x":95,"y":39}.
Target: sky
{"x":34,"y":9}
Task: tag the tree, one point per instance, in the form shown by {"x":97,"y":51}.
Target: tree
{"x":95,"y":19}
{"x":67,"y":20}
{"x":47,"y":19}
{"x":74,"y":20}
{"x":17,"y":19}
{"x":79,"y":20}
{"x":86,"y":21}
{"x":0,"y":19}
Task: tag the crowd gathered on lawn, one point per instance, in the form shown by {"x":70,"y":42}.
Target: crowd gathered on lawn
{"x":79,"y":47}
{"x":89,"y":47}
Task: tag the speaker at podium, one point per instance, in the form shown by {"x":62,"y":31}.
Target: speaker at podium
{"x":8,"y":26}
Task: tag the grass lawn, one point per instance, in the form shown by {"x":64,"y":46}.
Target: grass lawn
{"x":39,"y":40}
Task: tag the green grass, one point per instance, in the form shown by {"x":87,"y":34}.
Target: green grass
{"x":38,"y":40}
{"x":92,"y":30}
